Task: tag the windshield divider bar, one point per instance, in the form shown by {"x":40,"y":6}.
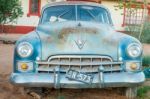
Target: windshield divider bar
{"x":76,"y":12}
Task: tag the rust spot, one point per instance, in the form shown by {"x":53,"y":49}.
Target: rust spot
{"x":113,"y":38}
{"x":65,"y":31}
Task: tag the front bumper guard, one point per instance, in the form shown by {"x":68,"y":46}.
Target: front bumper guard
{"x":59,"y":80}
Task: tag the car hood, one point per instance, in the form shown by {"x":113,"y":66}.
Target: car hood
{"x":78,"y":38}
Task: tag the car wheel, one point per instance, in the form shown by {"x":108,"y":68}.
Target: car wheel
{"x":131,"y":92}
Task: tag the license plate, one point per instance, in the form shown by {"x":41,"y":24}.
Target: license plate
{"x":79,"y":76}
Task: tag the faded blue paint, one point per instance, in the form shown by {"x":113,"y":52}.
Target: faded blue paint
{"x":56,"y":38}
{"x":123,"y":47}
{"x":59,"y":38}
{"x":55,"y":41}
{"x":95,"y":42}
{"x":34,"y":40}
{"x":48,"y":41}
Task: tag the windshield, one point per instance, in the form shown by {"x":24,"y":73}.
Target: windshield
{"x":75,"y":13}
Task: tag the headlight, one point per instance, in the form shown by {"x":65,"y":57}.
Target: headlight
{"x":134,"y":50}
{"x":24,"y":49}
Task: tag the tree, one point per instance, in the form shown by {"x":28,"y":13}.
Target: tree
{"x":10,"y":10}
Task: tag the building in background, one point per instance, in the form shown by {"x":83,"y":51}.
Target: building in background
{"x":32,"y":11}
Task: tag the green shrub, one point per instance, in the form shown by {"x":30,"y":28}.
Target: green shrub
{"x":10,"y":10}
{"x":142,"y":91}
{"x":146,"y":61}
{"x":135,"y":32}
{"x":145,"y":37}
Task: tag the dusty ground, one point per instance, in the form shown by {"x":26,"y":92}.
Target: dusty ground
{"x":8,"y":91}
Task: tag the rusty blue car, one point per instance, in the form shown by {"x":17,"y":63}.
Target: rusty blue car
{"x":76,"y":46}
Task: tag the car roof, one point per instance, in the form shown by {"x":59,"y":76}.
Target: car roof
{"x":74,"y":3}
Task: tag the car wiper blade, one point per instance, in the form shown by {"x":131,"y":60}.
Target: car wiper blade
{"x":65,"y":12}
{"x":91,"y":15}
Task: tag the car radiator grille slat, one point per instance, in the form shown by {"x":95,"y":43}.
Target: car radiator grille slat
{"x":82,"y":63}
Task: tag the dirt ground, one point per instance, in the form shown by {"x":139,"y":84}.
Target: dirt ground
{"x":8,"y":91}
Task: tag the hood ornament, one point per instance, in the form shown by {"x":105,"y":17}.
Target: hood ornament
{"x":80,"y":43}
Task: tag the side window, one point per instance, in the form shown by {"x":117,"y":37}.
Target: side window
{"x":34,"y":8}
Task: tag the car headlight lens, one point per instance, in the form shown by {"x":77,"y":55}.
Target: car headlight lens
{"x":133,"y":66}
{"x":134,"y":50}
{"x":24,"y":49}
{"x":24,"y":66}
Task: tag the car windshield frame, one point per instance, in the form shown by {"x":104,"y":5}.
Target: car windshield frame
{"x":76,"y":12}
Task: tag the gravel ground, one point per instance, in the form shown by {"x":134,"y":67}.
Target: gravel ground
{"x":8,"y":91}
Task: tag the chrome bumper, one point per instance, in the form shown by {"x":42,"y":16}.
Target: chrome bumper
{"x":101,"y":80}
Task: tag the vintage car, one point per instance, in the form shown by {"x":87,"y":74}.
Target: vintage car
{"x":76,"y":46}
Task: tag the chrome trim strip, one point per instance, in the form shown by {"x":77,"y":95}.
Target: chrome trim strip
{"x":57,"y":77}
{"x":50,"y":70}
{"x":64,"y":63}
{"x":79,"y":56}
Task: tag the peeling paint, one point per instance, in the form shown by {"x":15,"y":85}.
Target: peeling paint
{"x":65,"y":31}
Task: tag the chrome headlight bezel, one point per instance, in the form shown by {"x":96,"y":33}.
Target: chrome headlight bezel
{"x":24,"y":46}
{"x":134,"y":50}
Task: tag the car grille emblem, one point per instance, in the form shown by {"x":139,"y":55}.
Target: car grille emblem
{"x":80,"y":43}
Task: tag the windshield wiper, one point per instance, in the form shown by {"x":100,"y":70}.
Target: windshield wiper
{"x":91,"y":15}
{"x":65,"y":12}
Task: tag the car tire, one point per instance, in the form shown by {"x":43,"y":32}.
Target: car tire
{"x":131,"y":92}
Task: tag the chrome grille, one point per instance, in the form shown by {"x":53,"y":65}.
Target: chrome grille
{"x":83,"y":63}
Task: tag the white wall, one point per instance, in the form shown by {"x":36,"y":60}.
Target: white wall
{"x":24,"y":20}
{"x":117,"y":18}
